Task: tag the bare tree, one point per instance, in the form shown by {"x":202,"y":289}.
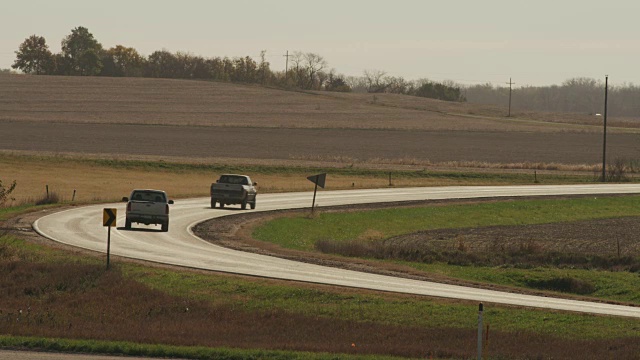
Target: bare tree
{"x":314,"y":64}
{"x":375,"y":81}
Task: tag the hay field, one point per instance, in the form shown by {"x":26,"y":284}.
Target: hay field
{"x":96,"y":182}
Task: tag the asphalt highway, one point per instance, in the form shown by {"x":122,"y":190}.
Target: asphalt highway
{"x":82,"y":227}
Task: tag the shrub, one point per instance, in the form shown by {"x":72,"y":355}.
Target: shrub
{"x":564,"y":284}
{"x":5,"y":192}
{"x":52,"y":198}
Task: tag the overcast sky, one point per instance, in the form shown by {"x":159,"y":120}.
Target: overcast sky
{"x":469,"y":41}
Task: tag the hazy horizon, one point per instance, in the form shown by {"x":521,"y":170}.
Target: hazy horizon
{"x":469,"y":42}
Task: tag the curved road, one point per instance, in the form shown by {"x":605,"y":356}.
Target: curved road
{"x":82,"y":227}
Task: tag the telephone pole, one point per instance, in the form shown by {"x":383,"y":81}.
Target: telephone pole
{"x":604,"y":142}
{"x":510,"y":83}
{"x":286,"y":67}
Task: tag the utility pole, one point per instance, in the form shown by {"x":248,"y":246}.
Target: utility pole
{"x":604,"y":142}
{"x":286,"y":67}
{"x":510,"y":83}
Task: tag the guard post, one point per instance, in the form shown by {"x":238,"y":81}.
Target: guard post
{"x":109,"y":220}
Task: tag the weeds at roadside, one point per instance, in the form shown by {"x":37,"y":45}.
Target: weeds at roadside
{"x":51,"y":198}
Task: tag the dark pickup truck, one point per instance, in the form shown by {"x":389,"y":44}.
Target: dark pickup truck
{"x":234,"y":189}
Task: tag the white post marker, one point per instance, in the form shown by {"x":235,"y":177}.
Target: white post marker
{"x":480,"y":309}
{"x":109,"y":220}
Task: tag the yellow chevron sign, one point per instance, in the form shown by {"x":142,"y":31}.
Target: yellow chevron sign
{"x":109,"y":217}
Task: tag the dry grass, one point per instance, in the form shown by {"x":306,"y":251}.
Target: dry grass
{"x":93,"y":183}
{"x":425,"y":163}
{"x":198,"y":103}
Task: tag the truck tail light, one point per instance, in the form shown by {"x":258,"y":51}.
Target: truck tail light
{"x":167,"y":209}
{"x":129,"y":206}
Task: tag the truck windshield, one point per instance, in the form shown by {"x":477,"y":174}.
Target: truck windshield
{"x":227,"y":179}
{"x":148,"y":196}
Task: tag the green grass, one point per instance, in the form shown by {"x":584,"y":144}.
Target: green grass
{"x":391,"y":309}
{"x":301,"y":232}
{"x":165,"y":351}
{"x":616,"y":286}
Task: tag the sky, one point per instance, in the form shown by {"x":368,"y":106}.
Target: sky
{"x":535,"y":43}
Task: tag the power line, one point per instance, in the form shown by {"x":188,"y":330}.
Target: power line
{"x":286,"y":68}
{"x":510,"y":84}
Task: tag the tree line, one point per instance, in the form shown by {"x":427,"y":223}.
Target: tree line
{"x":83,"y":55}
{"x":578,"y":95}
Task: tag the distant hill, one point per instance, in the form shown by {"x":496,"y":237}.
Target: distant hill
{"x":199,"y":103}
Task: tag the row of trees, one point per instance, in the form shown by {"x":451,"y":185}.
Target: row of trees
{"x":376,"y":81}
{"x":579,"y":95}
{"x":83,"y":55}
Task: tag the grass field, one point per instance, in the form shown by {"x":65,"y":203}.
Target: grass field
{"x":536,"y":262}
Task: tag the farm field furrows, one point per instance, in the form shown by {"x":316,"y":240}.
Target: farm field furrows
{"x":344,"y":145}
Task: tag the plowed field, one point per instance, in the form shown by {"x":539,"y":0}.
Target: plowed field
{"x":193,"y":119}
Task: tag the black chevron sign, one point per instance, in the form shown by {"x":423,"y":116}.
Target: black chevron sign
{"x":109,"y":217}
{"x":318,"y":179}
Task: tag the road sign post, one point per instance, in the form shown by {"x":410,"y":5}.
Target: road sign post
{"x":109,"y":220}
{"x":319,"y":180}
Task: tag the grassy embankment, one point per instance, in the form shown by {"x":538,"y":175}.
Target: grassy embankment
{"x":366,"y":232}
{"x":61,"y":301}
{"x":51,"y":294}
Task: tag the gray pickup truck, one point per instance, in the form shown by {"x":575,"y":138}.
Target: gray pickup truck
{"x":234,"y":189}
{"x":148,"y":207}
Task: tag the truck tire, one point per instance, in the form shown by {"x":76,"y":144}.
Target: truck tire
{"x":253,"y":204}
{"x":221,"y":204}
{"x":244,"y":204}
{"x":213,"y":203}
{"x":165,"y":226}
{"x":127,"y":224}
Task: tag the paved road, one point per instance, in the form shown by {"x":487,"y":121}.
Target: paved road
{"x":82,"y":227}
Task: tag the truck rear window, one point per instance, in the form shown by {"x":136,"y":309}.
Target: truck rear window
{"x":148,"y":196}
{"x":226,"y":179}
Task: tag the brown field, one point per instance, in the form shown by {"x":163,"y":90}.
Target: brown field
{"x":199,"y":103}
{"x":216,"y":121}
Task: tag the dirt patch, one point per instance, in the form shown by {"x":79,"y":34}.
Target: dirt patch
{"x":581,"y":237}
